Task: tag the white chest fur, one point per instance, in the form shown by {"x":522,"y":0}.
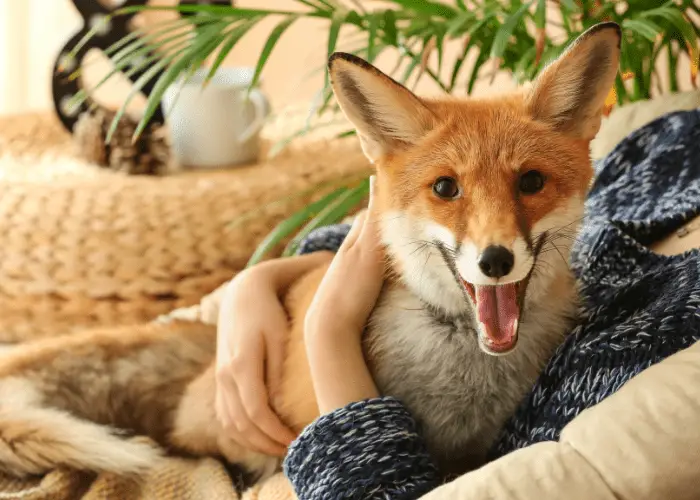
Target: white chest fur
{"x":459,"y":395}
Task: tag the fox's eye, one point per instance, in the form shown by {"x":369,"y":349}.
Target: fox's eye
{"x":446,"y":188}
{"x":531,"y":182}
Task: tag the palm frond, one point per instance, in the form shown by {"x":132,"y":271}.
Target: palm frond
{"x":509,"y":36}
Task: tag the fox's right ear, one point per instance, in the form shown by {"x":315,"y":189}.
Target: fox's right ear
{"x":386,"y":115}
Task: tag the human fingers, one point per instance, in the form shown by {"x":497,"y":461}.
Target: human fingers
{"x":253,"y":391}
{"x":246,"y":431}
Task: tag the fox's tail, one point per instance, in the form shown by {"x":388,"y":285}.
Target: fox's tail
{"x":36,"y":440}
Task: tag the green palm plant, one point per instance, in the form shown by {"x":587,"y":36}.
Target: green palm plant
{"x":518,"y":36}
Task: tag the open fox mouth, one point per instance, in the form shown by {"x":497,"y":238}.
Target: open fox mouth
{"x":498,"y":313}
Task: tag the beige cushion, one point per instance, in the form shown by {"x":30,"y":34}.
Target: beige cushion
{"x":624,"y":120}
{"x":641,"y":443}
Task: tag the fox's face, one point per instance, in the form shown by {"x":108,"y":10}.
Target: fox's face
{"x":480,"y":199}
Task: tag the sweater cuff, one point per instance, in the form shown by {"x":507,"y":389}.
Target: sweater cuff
{"x":327,"y":238}
{"x":366,"y":450}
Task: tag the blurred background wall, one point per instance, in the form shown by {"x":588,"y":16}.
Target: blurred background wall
{"x":32,"y":33}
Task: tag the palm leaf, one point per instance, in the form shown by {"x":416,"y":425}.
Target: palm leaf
{"x":503,"y":35}
{"x":201,"y":47}
{"x":85,"y":39}
{"x":439,"y":38}
{"x":147,"y":36}
{"x":143,"y":45}
{"x":372,"y":34}
{"x":480,"y":60}
{"x":470,"y":37}
{"x":541,"y":14}
{"x":134,"y":47}
{"x":389,"y":26}
{"x":456,"y":26}
{"x":523,"y":69}
{"x":334,"y":183}
{"x":150,"y":74}
{"x":336,"y":23}
{"x":145,"y":58}
{"x":645,"y":28}
{"x":219,"y":11}
{"x":496,"y":29}
{"x":269,"y":45}
{"x":347,"y":133}
{"x":685,"y":28}
{"x":420,"y":18}
{"x":412,"y":65}
{"x":135,"y":89}
{"x":428,"y":7}
{"x":331,"y":213}
{"x":291,"y":224}
{"x":570,"y":6}
{"x":457,"y":66}
{"x":232,"y":38}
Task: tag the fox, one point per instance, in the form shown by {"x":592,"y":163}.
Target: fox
{"x":478,"y":204}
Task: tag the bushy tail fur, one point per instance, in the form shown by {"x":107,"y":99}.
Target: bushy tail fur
{"x":36,"y":440}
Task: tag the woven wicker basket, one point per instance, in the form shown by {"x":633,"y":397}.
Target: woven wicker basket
{"x":83,"y":246}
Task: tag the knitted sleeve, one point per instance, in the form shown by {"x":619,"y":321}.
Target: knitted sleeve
{"x":324,"y":238}
{"x":367,"y":450}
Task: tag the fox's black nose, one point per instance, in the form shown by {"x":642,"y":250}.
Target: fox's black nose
{"x":496,"y":261}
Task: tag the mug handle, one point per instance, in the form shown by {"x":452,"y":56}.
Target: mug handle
{"x":262,"y":109}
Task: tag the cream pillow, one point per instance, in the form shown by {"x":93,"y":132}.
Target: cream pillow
{"x":624,"y":120}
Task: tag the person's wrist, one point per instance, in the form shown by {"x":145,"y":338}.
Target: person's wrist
{"x":329,"y":353}
{"x":339,"y":371}
{"x":318,"y":338}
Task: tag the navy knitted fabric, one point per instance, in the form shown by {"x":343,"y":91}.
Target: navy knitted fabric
{"x":324,"y":238}
{"x":638,"y":308}
{"x":369,"y":449}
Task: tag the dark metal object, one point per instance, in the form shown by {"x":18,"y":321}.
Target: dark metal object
{"x":92,"y":12}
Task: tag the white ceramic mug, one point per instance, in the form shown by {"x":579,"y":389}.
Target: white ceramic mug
{"x":217,"y":125}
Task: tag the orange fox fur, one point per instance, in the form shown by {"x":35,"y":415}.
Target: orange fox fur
{"x":65,"y":401}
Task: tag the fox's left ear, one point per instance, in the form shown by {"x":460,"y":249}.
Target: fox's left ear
{"x":570,"y":94}
{"x":386,"y":115}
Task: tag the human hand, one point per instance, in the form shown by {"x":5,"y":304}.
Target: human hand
{"x":251,"y":332}
{"x":338,"y":314}
{"x":350,"y":288}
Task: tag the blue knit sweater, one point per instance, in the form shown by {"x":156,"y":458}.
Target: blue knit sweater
{"x":639,"y":308}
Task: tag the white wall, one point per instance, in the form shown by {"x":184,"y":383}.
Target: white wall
{"x":31,"y":34}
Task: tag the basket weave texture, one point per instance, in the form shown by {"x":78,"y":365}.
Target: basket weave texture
{"x":82,"y":246}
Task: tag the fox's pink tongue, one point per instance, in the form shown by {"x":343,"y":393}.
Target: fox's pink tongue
{"x":498,"y":311}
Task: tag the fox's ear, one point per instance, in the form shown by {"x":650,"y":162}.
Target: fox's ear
{"x":570,"y":93}
{"x":385,"y":114}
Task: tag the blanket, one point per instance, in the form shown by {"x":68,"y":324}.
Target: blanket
{"x":173,"y":479}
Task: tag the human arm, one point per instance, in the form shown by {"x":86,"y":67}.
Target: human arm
{"x":363,"y":446}
{"x":337,"y":316}
{"x":252,"y":327}
{"x":251,"y":330}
